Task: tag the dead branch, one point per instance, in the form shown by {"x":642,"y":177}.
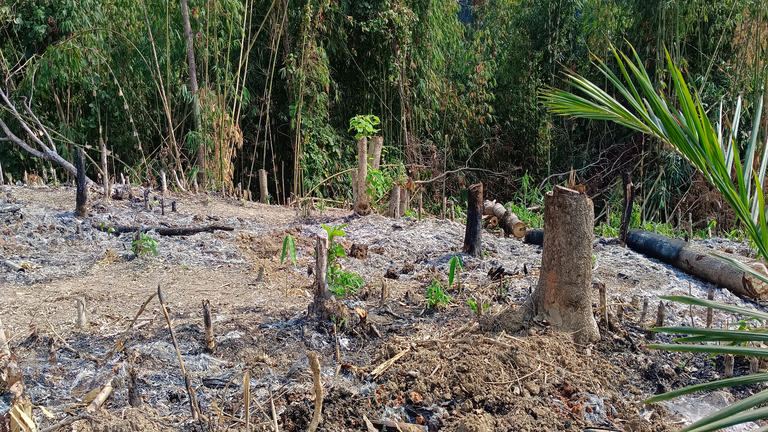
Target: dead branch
{"x":119,"y":343}
{"x":68,"y":421}
{"x":101,"y":397}
{"x":48,"y":151}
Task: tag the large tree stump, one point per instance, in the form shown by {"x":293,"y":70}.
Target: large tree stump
{"x":698,"y":261}
{"x":82,"y":186}
{"x":473,"y":242}
{"x":394,"y":202}
{"x":263,"y":186}
{"x":362,"y":205}
{"x":563,"y":295}
{"x":374,"y":151}
{"x":508,"y":221}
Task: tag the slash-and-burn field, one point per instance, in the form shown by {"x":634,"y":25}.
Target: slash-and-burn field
{"x":435,"y":369}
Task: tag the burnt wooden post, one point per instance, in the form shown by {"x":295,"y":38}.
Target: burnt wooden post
{"x":210,"y":342}
{"x":82,"y":188}
{"x":473,"y":242}
{"x":629,"y":197}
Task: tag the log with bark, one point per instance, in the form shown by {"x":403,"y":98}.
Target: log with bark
{"x":164,"y":231}
{"x":508,"y":221}
{"x":700,"y":262}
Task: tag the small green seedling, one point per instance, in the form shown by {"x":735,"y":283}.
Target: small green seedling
{"x":453,"y":264}
{"x":143,"y":243}
{"x":478,"y":306}
{"x":289,"y":247}
{"x":436,"y":295}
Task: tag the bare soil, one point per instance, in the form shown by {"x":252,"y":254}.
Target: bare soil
{"x":443,"y":373}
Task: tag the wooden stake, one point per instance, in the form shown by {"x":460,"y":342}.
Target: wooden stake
{"x":421,"y":207}
{"x":644,"y":313}
{"x":728,"y":363}
{"x":394,"y":202}
{"x":263,"y":186}
{"x":195,"y":187}
{"x":710,"y":297}
{"x":82,"y":188}
{"x":81,"y":322}
{"x":445,"y":206}
{"x":53,"y":173}
{"x":690,"y":227}
{"x":452,"y":213}
{"x":405,"y":199}
{"x":603,"y":303}
{"x":105,"y":169}
{"x":247,"y":398}
{"x":210,"y":342}
{"x":240,"y":190}
{"x":2,"y":183}
{"x":629,"y":197}
{"x":322,"y":293}
{"x":147,"y":206}
{"x":362,"y":206}
{"x":134,"y":399}
{"x":163,"y":183}
{"x":45,"y":176}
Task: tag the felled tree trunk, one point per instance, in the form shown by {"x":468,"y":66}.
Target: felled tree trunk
{"x":699,"y":262}
{"x":563,"y":295}
{"x":394,"y":202}
{"x":82,"y":187}
{"x":473,"y":241}
{"x":362,"y":206}
{"x":374,"y":151}
{"x":508,"y":221}
{"x":263,"y":186}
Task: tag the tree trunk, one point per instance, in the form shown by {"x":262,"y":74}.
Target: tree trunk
{"x":405,"y":199}
{"x":563,"y":295}
{"x":394,"y":202}
{"x":473,"y":242}
{"x":629,"y":198}
{"x":188,"y":37}
{"x":698,"y":261}
{"x":374,"y":151}
{"x":362,"y":206}
{"x":82,"y":187}
{"x":263,"y":185}
{"x":508,"y":221}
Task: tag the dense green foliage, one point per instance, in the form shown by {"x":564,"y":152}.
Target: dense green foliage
{"x":280,"y":81}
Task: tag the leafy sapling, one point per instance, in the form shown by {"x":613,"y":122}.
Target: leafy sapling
{"x":455,"y":263}
{"x":289,"y":247}
{"x":143,"y":243}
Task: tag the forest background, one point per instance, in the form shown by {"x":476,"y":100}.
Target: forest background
{"x":275,"y":84}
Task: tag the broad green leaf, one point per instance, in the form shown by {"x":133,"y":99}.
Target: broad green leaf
{"x":714,"y":349}
{"x":716,"y":305}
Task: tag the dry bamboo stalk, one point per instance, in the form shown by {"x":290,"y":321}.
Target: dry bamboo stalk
{"x":101,"y":397}
{"x":710,"y":297}
{"x":314,"y":364}
{"x":163,"y":183}
{"x":210,"y":342}
{"x":192,"y":398}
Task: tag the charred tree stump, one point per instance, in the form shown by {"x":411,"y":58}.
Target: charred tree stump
{"x":629,"y":198}
{"x":394,"y":202}
{"x":82,"y":186}
{"x":374,"y":151}
{"x":563,"y":296}
{"x":405,"y":198}
{"x":473,"y":241}
{"x":508,"y":221}
{"x":263,"y":186}
{"x":362,"y":206}
{"x":210,"y":342}
{"x":699,"y":262}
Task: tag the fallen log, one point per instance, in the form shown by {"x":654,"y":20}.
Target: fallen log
{"x":164,"y":231}
{"x":700,"y":262}
{"x":508,"y":221}
{"x":534,"y":236}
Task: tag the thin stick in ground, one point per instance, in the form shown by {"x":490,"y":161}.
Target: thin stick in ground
{"x":314,"y":363}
